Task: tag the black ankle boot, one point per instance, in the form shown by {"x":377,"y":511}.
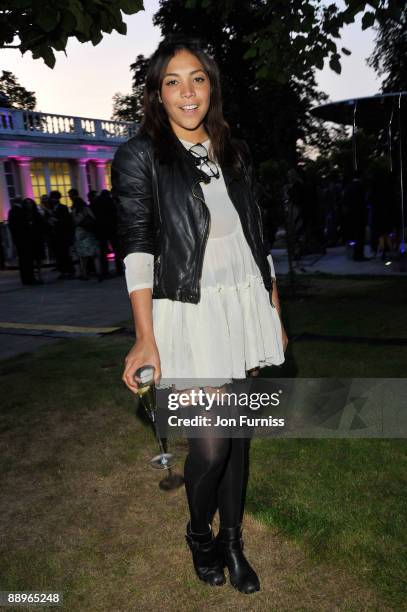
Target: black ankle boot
{"x":230,"y":546}
{"x":205,"y":557}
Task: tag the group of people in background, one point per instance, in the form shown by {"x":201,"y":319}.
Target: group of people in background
{"x":356,"y":209}
{"x":84,"y":233}
{"x":326,"y":212}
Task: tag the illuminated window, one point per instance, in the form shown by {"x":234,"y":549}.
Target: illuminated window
{"x":108,"y":168}
{"x":60,"y":179}
{"x":49,"y":176}
{"x":38,"y":179}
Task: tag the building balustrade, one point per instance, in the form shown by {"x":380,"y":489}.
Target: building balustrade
{"x":32,"y":123}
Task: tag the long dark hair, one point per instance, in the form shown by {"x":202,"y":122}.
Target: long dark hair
{"x":155,"y":121}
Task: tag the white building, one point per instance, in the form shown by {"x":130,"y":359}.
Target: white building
{"x":40,"y":152}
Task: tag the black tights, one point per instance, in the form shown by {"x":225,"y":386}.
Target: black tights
{"x":216,"y":474}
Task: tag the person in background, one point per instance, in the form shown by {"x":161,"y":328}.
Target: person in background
{"x":21,"y":233}
{"x":105,"y":213}
{"x":37,"y":234}
{"x":92,"y":195}
{"x":355,"y":203}
{"x":44,"y":199}
{"x":380,"y":196}
{"x":72,"y":194}
{"x":63,"y":235}
{"x":45,"y":209}
{"x":2,"y":255}
{"x":86,"y":242}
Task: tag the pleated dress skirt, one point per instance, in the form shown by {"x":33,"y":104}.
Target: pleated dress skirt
{"x":232,"y":329}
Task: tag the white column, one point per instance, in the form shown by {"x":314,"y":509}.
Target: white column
{"x":83,"y":186}
{"x":100,"y":166}
{"x":23,"y":164}
{"x":4,"y":199}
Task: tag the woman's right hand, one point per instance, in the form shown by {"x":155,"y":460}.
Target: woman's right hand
{"x":144,"y":352}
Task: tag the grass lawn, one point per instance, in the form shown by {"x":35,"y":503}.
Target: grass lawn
{"x":81,"y":509}
{"x":346,"y":500}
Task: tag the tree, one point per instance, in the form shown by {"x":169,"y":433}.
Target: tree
{"x":42,"y":27}
{"x":125,"y":107}
{"x":271,"y":114}
{"x":129,"y":107}
{"x":268,"y":52}
{"x":389,"y":57}
{"x":290,"y":37}
{"x":15,"y":95}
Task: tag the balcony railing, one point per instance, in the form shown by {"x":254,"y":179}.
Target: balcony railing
{"x":31,"y":123}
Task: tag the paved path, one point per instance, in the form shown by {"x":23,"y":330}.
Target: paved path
{"x":33,"y":316}
{"x":335,"y":261}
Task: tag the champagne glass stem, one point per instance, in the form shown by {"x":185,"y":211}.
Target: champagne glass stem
{"x":157,"y":435}
{"x":158,"y":438}
{"x":160,"y":443}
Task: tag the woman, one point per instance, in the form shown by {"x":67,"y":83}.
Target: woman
{"x":199,"y":279}
{"x":24,"y":223}
{"x":61,"y":225}
{"x":37,"y":232}
{"x":86,"y":243}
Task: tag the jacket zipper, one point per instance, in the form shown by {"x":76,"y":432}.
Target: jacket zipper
{"x":157,"y":261}
{"x":208,"y":228}
{"x":155,"y":181}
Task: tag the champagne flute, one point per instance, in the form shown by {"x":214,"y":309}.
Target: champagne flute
{"x":163,"y":461}
{"x":147,"y":393}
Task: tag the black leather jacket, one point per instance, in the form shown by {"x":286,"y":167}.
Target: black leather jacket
{"x":161,"y":210}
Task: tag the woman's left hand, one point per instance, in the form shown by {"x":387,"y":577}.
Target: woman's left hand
{"x":275,"y":302}
{"x":284,"y":337}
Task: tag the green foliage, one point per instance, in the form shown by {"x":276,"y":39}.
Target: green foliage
{"x":303,"y":31}
{"x":265,"y":102}
{"x":45,"y":27}
{"x":268,"y":53}
{"x":389,"y":58}
{"x":17,"y":96}
{"x":368,"y":20}
{"x":129,"y":107}
{"x":335,"y":63}
{"x":339,"y":155}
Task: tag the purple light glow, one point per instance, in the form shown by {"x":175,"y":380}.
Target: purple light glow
{"x":21,"y":158}
{"x":18,"y":143}
{"x":96,"y":149}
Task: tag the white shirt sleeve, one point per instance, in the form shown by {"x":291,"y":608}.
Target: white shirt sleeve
{"x":139,"y":271}
{"x":270,"y":260}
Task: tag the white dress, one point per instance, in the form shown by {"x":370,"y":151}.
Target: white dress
{"x":234,"y":327}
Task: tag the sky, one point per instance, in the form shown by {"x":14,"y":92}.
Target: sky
{"x":84,"y":82}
